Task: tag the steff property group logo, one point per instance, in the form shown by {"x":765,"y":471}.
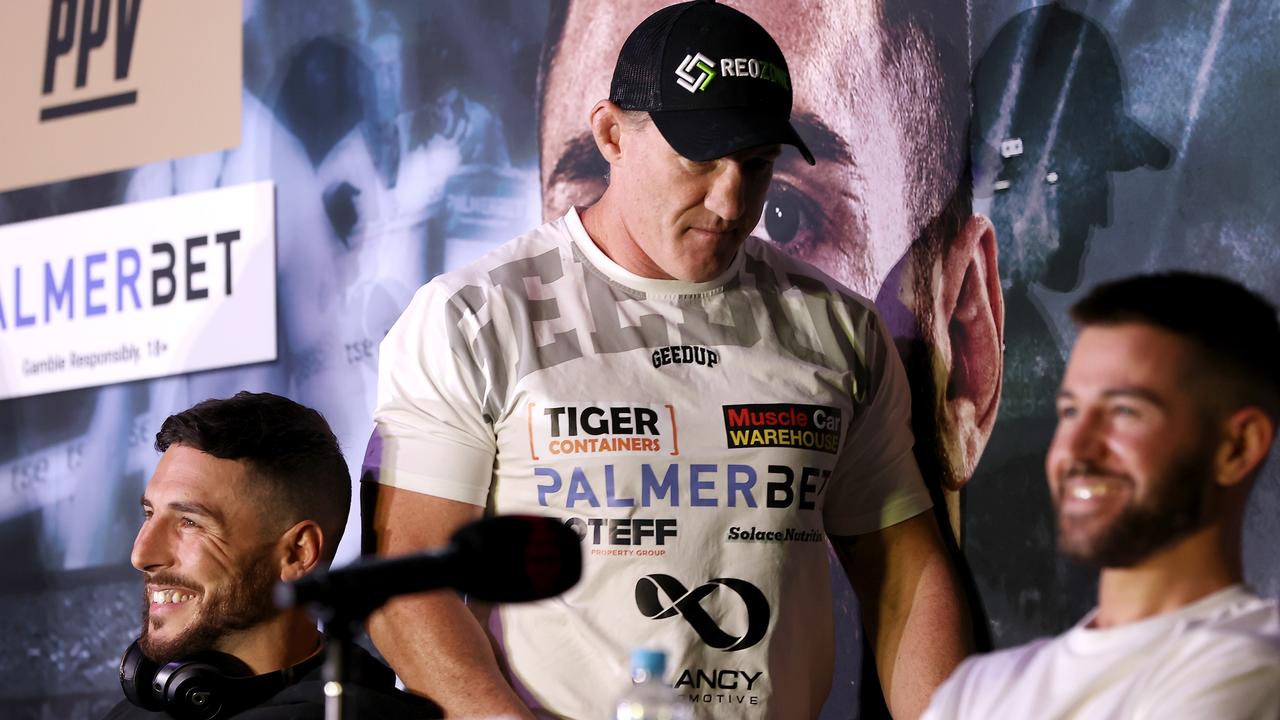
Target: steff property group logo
{"x":138,"y":291}
{"x":92,"y":86}
{"x":626,"y":536}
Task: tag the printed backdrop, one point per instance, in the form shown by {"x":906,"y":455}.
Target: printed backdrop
{"x":407,"y":138}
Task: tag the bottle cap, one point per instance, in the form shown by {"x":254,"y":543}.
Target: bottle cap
{"x":653,"y":662}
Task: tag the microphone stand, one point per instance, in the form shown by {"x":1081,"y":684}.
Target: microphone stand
{"x":342,"y":615}
{"x":337,"y":662}
{"x":542,"y":556}
{"x":342,"y":623}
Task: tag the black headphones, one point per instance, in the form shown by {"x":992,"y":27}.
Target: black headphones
{"x":205,"y":686}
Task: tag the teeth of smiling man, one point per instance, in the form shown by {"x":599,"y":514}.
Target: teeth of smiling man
{"x":1088,"y":491}
{"x":170,"y":596}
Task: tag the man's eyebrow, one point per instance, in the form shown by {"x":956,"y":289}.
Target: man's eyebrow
{"x":825,"y":144}
{"x":191,"y":508}
{"x":1135,"y":391}
{"x":195,"y":508}
{"x":581,"y":160}
{"x":1124,"y":391}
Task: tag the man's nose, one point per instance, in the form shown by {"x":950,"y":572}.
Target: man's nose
{"x":1084,"y":438}
{"x":150,"y":548}
{"x":725,"y":198}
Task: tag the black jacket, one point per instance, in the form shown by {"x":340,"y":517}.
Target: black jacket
{"x":372,"y":694}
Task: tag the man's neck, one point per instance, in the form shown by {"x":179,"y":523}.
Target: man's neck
{"x":279,"y":643}
{"x":1175,"y":576}
{"x":607,"y":228}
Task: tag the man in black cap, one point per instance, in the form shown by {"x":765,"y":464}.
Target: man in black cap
{"x":703,"y":408}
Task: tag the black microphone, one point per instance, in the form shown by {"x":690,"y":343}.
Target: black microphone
{"x":509,"y":558}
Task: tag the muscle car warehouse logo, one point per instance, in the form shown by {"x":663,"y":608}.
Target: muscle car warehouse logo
{"x":591,"y":429}
{"x":808,"y":427}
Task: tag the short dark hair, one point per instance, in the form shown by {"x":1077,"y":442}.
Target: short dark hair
{"x":1235,"y":329}
{"x":288,"y":448}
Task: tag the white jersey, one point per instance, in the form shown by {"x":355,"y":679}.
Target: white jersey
{"x":1217,"y":658}
{"x":702,"y":439}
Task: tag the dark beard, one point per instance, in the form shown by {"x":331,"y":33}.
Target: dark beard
{"x":244,"y":603}
{"x":1140,"y":530}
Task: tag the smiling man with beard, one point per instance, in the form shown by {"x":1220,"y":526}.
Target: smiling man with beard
{"x":1166,"y":413}
{"x":250,"y":491}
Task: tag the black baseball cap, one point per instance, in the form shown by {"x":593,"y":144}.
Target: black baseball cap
{"x":711,"y":78}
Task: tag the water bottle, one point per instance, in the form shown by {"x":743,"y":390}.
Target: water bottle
{"x":649,"y":697}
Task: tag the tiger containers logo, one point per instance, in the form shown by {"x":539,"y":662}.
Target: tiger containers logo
{"x":570,"y":430}
{"x":805,"y":427}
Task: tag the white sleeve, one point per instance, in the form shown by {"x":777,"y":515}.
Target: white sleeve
{"x":431,"y":433}
{"x":876,"y":482}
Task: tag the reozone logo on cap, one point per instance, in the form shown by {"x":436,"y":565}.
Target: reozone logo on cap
{"x":729,"y":67}
{"x":691,"y":82}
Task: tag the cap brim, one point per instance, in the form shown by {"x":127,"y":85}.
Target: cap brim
{"x":1136,"y":147}
{"x":709,"y":134}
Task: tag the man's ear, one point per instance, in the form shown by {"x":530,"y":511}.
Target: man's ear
{"x":606,"y":121}
{"x":1247,"y":437}
{"x":302,"y":547}
{"x":969,"y":332}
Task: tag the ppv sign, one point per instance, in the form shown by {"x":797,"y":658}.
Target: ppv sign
{"x":93,"y":86}
{"x":86,"y":36}
{"x":138,"y":291}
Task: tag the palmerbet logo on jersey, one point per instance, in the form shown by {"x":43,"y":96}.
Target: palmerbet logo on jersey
{"x":124,"y":280}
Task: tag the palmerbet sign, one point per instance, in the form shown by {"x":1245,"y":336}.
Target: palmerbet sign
{"x":138,"y":291}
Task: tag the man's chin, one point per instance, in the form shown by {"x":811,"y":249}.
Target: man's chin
{"x":165,"y":641}
{"x":161,"y":649}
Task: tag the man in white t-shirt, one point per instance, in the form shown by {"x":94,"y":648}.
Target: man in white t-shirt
{"x":1166,"y":414}
{"x":703,"y":408}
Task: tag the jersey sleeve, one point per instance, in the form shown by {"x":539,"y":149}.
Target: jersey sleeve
{"x":431,"y":434}
{"x":876,"y":481}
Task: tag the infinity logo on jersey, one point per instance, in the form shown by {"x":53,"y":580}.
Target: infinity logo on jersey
{"x":604,"y":429}
{"x":808,"y":427}
{"x":688,"y":604}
